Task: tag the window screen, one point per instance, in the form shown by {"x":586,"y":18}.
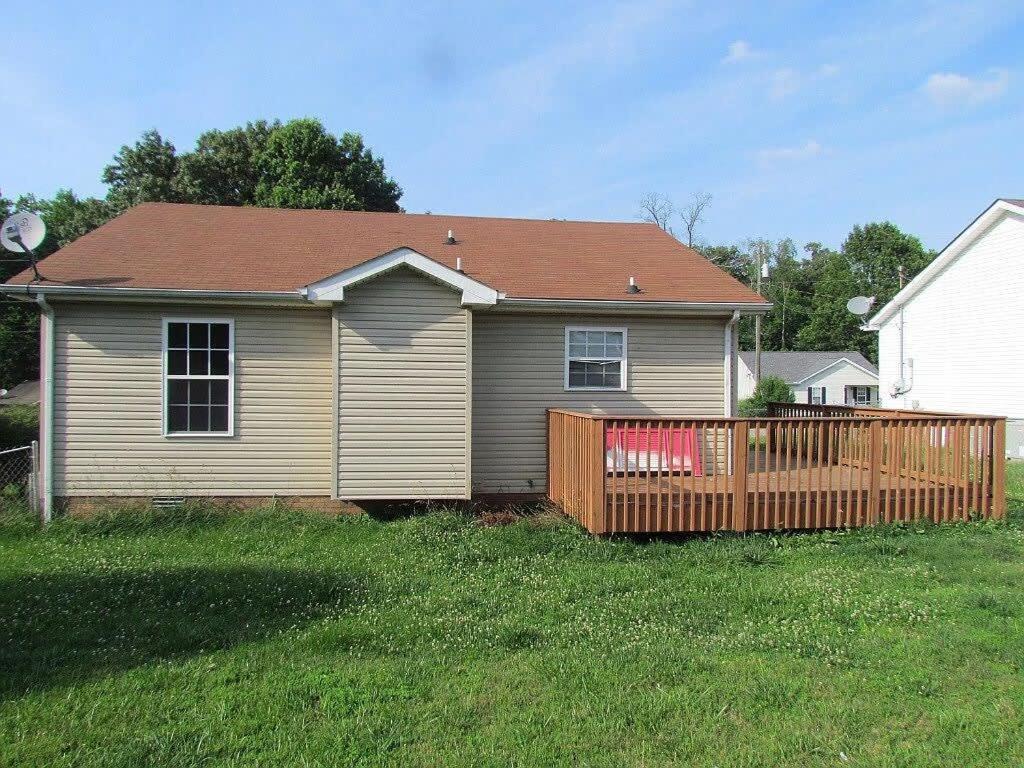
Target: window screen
{"x":595,"y":358}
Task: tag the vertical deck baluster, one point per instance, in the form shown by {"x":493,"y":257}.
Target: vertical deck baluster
{"x":986,"y":458}
{"x":819,"y":458}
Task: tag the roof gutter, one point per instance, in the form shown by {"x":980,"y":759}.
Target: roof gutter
{"x":97,"y":292}
{"x":303,"y":297}
{"x":617,"y":305}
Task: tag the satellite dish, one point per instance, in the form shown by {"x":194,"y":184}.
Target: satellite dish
{"x":860,"y":305}
{"x":22,"y":232}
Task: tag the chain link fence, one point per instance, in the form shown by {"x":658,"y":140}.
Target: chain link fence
{"x":19,"y":469}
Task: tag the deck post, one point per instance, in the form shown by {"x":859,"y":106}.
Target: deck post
{"x":740,"y":443}
{"x":999,"y":469}
{"x":554,"y":457}
{"x":875,"y":472}
{"x":596,"y":501}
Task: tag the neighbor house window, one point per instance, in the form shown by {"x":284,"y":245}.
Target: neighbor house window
{"x":862,"y":395}
{"x":198,"y":376}
{"x":816,"y":395}
{"x":595,"y":358}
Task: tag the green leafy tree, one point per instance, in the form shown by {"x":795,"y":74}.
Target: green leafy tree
{"x":224,"y":168}
{"x":789,"y":291}
{"x":304,"y":166}
{"x":143,"y":172}
{"x":730,"y":258}
{"x":875,"y":253}
{"x":67,"y":217}
{"x":19,"y":322}
{"x":831,"y":326}
{"x":770,"y":389}
{"x":867,"y":265}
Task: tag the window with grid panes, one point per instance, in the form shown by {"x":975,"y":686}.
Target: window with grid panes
{"x":198,"y":362}
{"x":595,"y":358}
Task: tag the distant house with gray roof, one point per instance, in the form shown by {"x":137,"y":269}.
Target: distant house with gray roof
{"x":834,"y":378}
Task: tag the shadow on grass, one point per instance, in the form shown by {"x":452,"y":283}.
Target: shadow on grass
{"x":59,"y":628}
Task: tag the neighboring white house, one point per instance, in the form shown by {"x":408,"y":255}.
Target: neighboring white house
{"x":834,"y":378}
{"x":962,"y":321}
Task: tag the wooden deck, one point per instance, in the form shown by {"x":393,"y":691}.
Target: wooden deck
{"x":794,"y":499}
{"x":628,"y":475}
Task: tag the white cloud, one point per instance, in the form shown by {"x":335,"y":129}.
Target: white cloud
{"x":805,"y":151}
{"x":739,"y":50}
{"x":948,"y":89}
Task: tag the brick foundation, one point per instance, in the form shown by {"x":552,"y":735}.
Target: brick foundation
{"x":86,"y":506}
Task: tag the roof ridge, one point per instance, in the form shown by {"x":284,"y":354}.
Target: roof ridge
{"x":309,"y":211}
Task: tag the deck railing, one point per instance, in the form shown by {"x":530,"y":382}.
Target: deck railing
{"x":652,"y":474}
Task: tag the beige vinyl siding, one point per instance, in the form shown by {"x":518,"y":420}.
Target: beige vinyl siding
{"x":675,"y":367}
{"x":402,"y":390}
{"x":109,"y":399}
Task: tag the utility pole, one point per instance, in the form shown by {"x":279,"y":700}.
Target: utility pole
{"x":759,"y":250}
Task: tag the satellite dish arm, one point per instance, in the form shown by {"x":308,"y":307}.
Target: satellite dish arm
{"x":31,"y":255}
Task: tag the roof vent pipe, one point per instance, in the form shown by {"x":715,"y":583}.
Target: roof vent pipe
{"x":451,"y":237}
{"x":458,"y":263}
{"x":633,"y":287}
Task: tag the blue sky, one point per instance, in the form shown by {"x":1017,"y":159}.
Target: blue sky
{"x":800,"y":118}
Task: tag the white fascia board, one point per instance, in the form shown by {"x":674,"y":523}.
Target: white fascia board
{"x":833,"y":364}
{"x":957,"y":245}
{"x":474,"y":293}
{"x":627,"y":306}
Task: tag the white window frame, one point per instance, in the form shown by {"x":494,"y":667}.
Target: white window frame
{"x":623,"y":379}
{"x":816,"y":391}
{"x":164,"y":377}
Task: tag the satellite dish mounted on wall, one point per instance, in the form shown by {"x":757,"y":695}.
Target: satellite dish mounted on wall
{"x":23,"y":233}
{"x":860,"y":306}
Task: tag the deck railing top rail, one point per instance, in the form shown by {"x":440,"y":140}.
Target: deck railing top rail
{"x":850,"y":411}
{"x":873,"y":412}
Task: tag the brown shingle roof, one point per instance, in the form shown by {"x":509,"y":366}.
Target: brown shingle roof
{"x":162,"y":245}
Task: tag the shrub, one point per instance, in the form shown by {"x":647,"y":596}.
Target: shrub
{"x":19,"y":425}
{"x":770,"y":389}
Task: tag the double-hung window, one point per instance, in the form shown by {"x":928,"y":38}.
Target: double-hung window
{"x":816,"y":395}
{"x":198,"y":376}
{"x":595,"y":358}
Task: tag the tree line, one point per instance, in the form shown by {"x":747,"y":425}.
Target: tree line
{"x":808,"y":287}
{"x":297,"y":164}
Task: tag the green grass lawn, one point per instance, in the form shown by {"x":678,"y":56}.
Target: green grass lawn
{"x":277,"y":639}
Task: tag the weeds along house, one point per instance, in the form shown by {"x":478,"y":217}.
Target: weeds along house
{"x":328,"y":356}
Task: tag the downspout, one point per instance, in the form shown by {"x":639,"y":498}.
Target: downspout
{"x":46,"y":424}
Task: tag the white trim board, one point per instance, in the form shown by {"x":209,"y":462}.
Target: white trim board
{"x":474,"y":293}
{"x":832,"y":365}
{"x":957,"y":245}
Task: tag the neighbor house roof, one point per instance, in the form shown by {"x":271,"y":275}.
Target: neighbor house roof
{"x":218,"y":248}
{"x":794,"y":367}
{"x":1003,"y":206}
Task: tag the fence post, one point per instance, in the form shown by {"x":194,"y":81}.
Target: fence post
{"x":875,"y":472}
{"x":34,"y":490}
{"x":596,"y":501}
{"x":740,"y":443}
{"x":999,"y":469}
